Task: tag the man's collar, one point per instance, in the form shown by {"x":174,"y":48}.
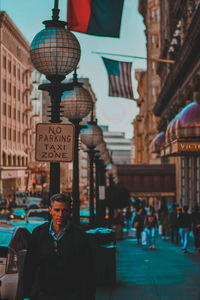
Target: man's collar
{"x":61,"y":233}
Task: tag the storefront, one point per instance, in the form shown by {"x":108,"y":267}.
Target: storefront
{"x":182,"y":141}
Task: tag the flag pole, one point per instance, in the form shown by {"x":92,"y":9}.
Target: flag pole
{"x":169,"y":61}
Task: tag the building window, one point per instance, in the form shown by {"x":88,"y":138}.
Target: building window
{"x":4,"y":62}
{"x":14,"y":70}
{"x":19,"y":114}
{"x":18,"y":160}
{"x":9,"y":160}
{"x":23,"y":116}
{"x":4,"y":132}
{"x":182,"y":180}
{"x":4,"y":159}
{"x":19,"y":137}
{"x":153,"y":39}
{"x":9,"y":134}
{"x":9,"y":66}
{"x":22,"y":161}
{"x":4,"y":108}
{"x":4,"y":85}
{"x":14,"y":160}
{"x":23,"y":138}
{"x":157,"y":15}
{"x":14,"y":135}
{"x":14,"y":91}
{"x":9,"y":88}
{"x":14,"y":113}
{"x":9,"y":111}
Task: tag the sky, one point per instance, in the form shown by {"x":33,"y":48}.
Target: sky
{"x":117,"y":113}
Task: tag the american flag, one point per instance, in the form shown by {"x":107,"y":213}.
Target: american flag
{"x":119,"y":75}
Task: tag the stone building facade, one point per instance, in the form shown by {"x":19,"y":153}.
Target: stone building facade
{"x":177,"y":104}
{"x":15,"y":107}
{"x":145,"y":123}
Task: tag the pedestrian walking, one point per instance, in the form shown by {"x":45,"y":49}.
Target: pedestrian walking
{"x":138,"y":223}
{"x":151,"y":223}
{"x":184,"y":224}
{"x":60,"y":256}
{"x":173,"y":223}
{"x":119,"y":224}
{"x":164,"y":222}
{"x":129,"y":219}
{"x":195,"y":220}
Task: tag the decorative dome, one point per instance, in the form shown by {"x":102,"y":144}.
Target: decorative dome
{"x":188,"y":123}
{"x":170,"y":134}
{"x":77,"y":103}
{"x":55,"y":51}
{"x":158,"y":142}
{"x":91,"y":136}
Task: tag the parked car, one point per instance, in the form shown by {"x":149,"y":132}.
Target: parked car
{"x":23,"y":200}
{"x":18,"y":214}
{"x":14,"y":241}
{"x":41,"y":214}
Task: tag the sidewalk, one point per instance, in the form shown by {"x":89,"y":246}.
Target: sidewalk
{"x":161,"y":274}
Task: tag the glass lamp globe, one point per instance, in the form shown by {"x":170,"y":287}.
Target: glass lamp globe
{"x":101,"y":147}
{"x":91,"y":136}
{"x":55,"y":51}
{"x":105,"y":156}
{"x":77,"y":103}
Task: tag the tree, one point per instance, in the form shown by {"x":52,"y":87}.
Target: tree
{"x":117,"y":196}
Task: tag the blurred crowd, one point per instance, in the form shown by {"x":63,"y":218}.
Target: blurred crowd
{"x":174,"y":223}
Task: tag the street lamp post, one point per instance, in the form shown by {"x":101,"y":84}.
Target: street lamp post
{"x":91,"y":137}
{"x":55,"y":52}
{"x":77,"y":105}
{"x":100,"y":149}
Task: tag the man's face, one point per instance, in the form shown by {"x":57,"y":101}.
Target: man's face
{"x":60,"y":213}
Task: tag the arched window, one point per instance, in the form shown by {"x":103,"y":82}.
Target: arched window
{"x":14,"y":160}
{"x":9,"y":160}
{"x":4,"y":159}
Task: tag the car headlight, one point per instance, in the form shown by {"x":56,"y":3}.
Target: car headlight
{"x":11,"y":217}
{"x":22,"y":216}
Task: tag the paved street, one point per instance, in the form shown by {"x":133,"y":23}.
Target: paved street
{"x":160,"y":274}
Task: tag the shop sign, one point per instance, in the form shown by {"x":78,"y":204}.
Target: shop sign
{"x":54,"y":142}
{"x":188,"y":146}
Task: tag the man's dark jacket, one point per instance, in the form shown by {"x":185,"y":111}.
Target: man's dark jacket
{"x":68,"y":273}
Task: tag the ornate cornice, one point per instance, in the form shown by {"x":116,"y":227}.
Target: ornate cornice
{"x":6,"y":21}
{"x":188,"y":57}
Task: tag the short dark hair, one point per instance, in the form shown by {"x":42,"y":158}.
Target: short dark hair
{"x":64,"y":198}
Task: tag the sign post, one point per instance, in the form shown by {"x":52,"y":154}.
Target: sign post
{"x":54,"y":142}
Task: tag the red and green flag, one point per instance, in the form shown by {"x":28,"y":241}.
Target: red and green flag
{"x":96,"y":17}
{"x":119,"y":76}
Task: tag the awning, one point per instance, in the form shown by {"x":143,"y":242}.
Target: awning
{"x":158,"y":142}
{"x":148,"y":179}
{"x":183,"y":133}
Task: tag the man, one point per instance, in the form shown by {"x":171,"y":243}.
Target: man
{"x":59,"y":258}
{"x":184,"y":224}
{"x":138,"y":223}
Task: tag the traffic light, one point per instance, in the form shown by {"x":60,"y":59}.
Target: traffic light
{"x":34,"y":183}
